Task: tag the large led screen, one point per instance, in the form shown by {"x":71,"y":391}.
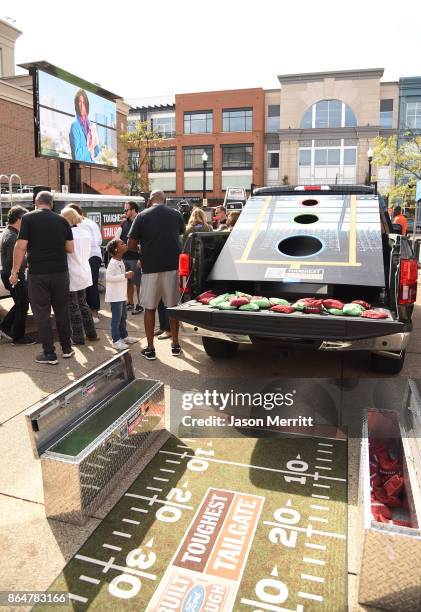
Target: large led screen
{"x":75,"y":123}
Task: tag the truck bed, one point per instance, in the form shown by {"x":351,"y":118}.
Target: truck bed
{"x":265,"y":323}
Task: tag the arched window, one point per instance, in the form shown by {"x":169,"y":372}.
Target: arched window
{"x":328,"y":114}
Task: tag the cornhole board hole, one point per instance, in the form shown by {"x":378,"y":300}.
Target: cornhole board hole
{"x":323,"y":239}
{"x":87,"y":432}
{"x":391,"y":554}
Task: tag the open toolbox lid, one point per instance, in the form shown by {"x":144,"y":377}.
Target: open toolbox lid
{"x":51,"y":417}
{"x":412,"y":424}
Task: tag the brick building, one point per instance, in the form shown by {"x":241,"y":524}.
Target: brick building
{"x":17,"y":148}
{"x":227,"y":125}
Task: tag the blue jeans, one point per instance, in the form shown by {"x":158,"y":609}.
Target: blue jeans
{"x":118,"y":321}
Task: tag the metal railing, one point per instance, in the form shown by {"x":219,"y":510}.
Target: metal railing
{"x":10,"y":194}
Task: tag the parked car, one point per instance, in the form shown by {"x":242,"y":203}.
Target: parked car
{"x":382,"y":272}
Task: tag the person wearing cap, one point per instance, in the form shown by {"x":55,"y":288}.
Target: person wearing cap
{"x":158,"y":230}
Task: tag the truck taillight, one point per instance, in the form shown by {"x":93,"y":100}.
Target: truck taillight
{"x":184,"y":272}
{"x":408,"y":281}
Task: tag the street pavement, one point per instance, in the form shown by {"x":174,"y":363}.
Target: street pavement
{"x":34,"y":549}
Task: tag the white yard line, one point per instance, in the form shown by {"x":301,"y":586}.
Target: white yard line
{"x":78,"y":598}
{"x":89,"y":579}
{"x":131,"y":521}
{"x":112,"y":547}
{"x":313,"y":561}
{"x":110,"y":565}
{"x":122,"y":534}
{"x":310,"y":596}
{"x":251,"y":466}
{"x":312,"y":578}
{"x":315,"y":546}
{"x":155,"y":499}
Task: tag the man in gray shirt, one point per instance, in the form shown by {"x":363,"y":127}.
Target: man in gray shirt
{"x":13,"y":325}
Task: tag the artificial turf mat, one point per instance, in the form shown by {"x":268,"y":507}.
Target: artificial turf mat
{"x":287,"y":551}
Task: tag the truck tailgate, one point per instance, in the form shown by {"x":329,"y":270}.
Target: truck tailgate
{"x":277,"y":325}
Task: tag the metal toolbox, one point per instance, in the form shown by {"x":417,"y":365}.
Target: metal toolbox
{"x":390,"y":576}
{"x":87,"y":432}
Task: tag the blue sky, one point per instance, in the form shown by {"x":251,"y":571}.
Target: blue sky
{"x":141,"y":49}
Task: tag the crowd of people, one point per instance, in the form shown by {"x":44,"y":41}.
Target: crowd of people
{"x":51,"y":262}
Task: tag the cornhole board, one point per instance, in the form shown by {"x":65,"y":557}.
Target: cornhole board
{"x":323,"y":239}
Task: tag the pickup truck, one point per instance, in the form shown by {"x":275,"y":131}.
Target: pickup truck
{"x":291,"y":242}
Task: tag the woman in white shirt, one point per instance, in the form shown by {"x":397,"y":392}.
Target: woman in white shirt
{"x":80,"y":278}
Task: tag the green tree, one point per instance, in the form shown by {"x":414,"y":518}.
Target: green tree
{"x":405,"y":156}
{"x":138,"y":142}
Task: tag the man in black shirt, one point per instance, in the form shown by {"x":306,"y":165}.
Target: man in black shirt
{"x":13,"y":324}
{"x":131,"y":259}
{"x":158,"y":230}
{"x":47,"y":238}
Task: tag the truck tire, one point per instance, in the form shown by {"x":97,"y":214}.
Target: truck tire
{"x":387,"y":365}
{"x":218,"y":349}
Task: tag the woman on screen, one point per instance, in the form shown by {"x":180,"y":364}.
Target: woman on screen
{"x":83,"y":135}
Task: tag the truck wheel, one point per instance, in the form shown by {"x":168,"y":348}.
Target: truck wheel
{"x":387,"y":365}
{"x":219,"y":348}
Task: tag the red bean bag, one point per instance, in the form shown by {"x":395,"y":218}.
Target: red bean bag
{"x":313,"y":308}
{"x":394,"y":485}
{"x":281,"y":308}
{"x":330,"y":303}
{"x":239,"y":301}
{"x":365,"y":305}
{"x":373,"y":314}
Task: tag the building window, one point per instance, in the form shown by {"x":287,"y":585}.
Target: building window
{"x":273,"y":159}
{"x":164,"y":125}
{"x":198,"y":122}
{"x":386,"y":113}
{"x":413,"y":115}
{"x":161,"y":160}
{"x":305,"y":157}
{"x":328,"y":164}
{"x":237,"y":120}
{"x":328,"y":114}
{"x":273,"y":121}
{"x":133,"y":160}
{"x":327,"y":157}
{"x":193,"y":158}
{"x":350,"y":157}
{"x":237,"y":156}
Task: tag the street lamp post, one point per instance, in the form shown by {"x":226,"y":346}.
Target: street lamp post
{"x":370,"y":159}
{"x":205,"y":161}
